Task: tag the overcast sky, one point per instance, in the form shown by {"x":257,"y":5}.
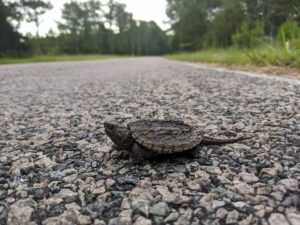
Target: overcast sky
{"x":141,"y":10}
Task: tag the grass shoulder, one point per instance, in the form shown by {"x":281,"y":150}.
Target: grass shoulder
{"x":56,"y":58}
{"x":270,"y":60}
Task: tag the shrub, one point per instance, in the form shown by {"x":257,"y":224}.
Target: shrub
{"x":247,"y":37}
{"x":289,"y":35}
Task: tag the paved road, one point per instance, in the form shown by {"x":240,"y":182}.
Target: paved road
{"x":58,"y":167}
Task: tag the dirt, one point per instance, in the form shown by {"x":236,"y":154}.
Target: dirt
{"x":268,"y":70}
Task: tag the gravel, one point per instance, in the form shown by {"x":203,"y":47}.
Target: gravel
{"x":57,"y":166}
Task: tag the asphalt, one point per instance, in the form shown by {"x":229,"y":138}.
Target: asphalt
{"x":57,"y":166}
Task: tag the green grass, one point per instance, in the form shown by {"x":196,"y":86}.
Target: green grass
{"x":267,"y":56}
{"x":223,"y":56}
{"x":55,"y":58}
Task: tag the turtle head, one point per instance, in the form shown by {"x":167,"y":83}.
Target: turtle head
{"x":119,"y":135}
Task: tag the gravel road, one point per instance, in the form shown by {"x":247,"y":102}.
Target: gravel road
{"x":57,"y":166}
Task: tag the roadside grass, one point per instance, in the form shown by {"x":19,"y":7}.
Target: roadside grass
{"x":55,"y":58}
{"x":229,"y":56}
{"x":266,"y":56}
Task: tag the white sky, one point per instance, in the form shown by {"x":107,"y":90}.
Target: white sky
{"x":141,"y":10}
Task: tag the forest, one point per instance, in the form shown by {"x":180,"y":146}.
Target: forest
{"x":95,"y":27}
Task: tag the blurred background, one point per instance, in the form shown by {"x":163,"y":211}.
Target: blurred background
{"x":227,"y":31}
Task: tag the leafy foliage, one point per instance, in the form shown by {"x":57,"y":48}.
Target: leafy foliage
{"x":249,"y":37}
{"x":11,"y":42}
{"x":289,"y":34}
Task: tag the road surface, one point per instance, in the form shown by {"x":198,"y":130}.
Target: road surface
{"x":58,"y":167}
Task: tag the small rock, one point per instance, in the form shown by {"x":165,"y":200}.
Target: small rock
{"x":142,"y":221}
{"x":172,"y":217}
{"x":247,"y":221}
{"x":277,"y":195}
{"x":239,"y":205}
{"x":19,"y":166}
{"x":217,"y":204}
{"x":83,"y":220}
{"x":158,"y":220}
{"x":243,"y":188}
{"x":145,"y":184}
{"x":194,"y":185}
{"x":99,"y":222}
{"x":53,"y":201}
{"x":277,"y":219}
{"x":126,"y":213}
{"x":120,"y":221}
{"x":109,"y":183}
{"x":201,"y":174}
{"x":3,"y":194}
{"x":212,"y":169}
{"x":10,"y":200}
{"x":221,"y":213}
{"x":169,"y":197}
{"x":249,"y":177}
{"x":141,"y":205}
{"x":67,"y":195}
{"x":206,"y":201}
{"x":19,"y":213}
{"x":292,"y":200}
{"x":294,"y":218}
{"x":70,"y":179}
{"x":269,"y":171}
{"x":290,"y":184}
{"x":44,"y":162}
{"x":125,"y":204}
{"x":264,"y":191}
{"x":185,"y":218}
{"x":232,"y":217}
{"x":160,"y":209}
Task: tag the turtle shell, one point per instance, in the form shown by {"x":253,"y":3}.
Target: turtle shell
{"x":164,"y":137}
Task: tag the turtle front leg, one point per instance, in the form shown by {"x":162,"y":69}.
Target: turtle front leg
{"x":139,"y":153}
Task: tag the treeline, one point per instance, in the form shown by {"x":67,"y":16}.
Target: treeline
{"x":86,"y":27}
{"x":107,"y":28}
{"x":222,"y":23}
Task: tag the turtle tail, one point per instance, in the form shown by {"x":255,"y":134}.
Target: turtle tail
{"x":215,"y":141}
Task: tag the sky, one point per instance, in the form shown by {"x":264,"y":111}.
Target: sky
{"x":141,"y":10}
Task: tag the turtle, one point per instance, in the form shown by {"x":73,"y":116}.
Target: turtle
{"x":146,"y":139}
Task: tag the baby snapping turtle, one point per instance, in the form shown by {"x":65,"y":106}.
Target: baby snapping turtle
{"x":149,"y":138}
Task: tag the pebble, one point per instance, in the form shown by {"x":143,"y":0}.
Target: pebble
{"x":20,"y":213}
{"x":294,"y":218}
{"x":264,"y":191}
{"x":243,"y":188}
{"x":172,"y":217}
{"x":249,"y":177}
{"x":142,"y":221}
{"x":277,"y":219}
{"x":67,"y":195}
{"x":217,"y":204}
{"x":141,"y":206}
{"x":232,"y":217}
{"x":160,"y":209}
{"x":290,"y":184}
{"x":53,"y":201}
{"x":185,"y":218}
{"x":120,"y":221}
{"x":221,"y":213}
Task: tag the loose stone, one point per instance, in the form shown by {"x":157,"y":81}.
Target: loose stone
{"x":277,"y":219}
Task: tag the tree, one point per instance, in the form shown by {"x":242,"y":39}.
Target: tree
{"x":189,"y":21}
{"x":272,"y":13}
{"x":34,"y":9}
{"x":226,"y":22}
{"x":81,"y":26}
{"x":11,"y":42}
